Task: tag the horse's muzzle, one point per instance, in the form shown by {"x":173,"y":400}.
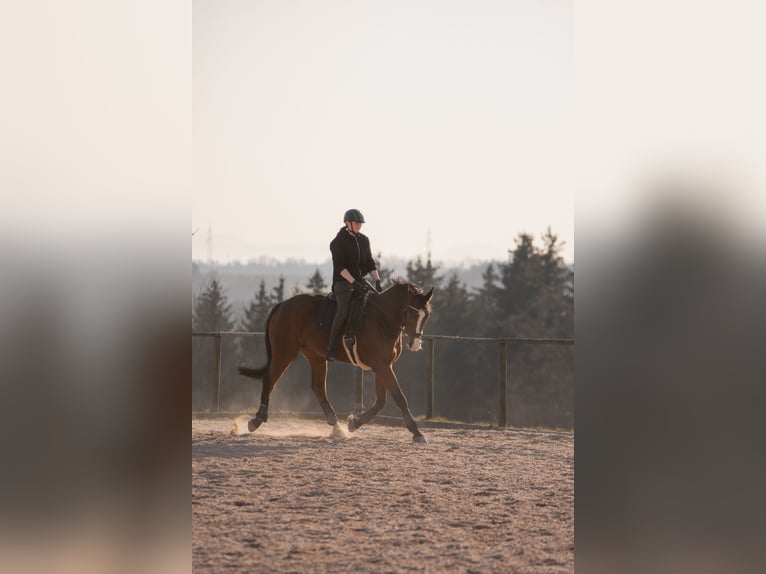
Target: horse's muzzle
{"x":415,"y":344}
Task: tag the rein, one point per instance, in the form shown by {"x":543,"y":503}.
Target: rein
{"x":401,"y":325}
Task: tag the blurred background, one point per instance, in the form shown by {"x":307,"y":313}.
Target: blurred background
{"x":96,"y":176}
{"x":95,"y":179}
{"x":670,"y":281}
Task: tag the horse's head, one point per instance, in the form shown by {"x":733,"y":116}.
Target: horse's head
{"x":416,"y":315}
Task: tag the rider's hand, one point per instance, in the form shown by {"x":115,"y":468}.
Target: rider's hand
{"x":378,"y":288}
{"x":358,"y":286}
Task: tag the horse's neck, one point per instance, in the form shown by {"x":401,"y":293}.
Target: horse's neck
{"x":396,"y":299}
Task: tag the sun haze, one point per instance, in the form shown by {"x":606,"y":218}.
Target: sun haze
{"x":446,"y":123}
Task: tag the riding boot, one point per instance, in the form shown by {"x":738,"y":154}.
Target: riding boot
{"x":335,"y":332}
{"x":342,"y":291}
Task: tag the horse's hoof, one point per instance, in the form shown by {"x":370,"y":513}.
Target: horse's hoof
{"x":253,"y":424}
{"x":352,"y":426}
{"x":338,"y":432}
{"x":239,"y":427}
{"x":419,"y":439}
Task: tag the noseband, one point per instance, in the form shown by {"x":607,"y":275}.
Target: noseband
{"x":418,"y":334}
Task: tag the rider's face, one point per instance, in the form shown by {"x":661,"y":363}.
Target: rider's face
{"x":354,"y":226}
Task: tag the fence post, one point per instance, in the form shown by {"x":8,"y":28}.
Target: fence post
{"x":216,"y":402}
{"x":430,"y":378}
{"x":359,"y":386}
{"x":502,"y":413}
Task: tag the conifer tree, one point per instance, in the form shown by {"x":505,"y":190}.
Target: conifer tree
{"x":520,"y":276}
{"x":279,"y":290}
{"x":316,"y":284}
{"x":486,"y":311}
{"x":424,"y":276}
{"x":536,"y":299}
{"x":256,"y":314}
{"x":452,"y":302}
{"x":212,"y":312}
{"x":257,"y":311}
{"x":536,"y":295}
{"x":489,"y":281}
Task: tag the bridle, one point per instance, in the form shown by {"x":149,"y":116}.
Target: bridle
{"x":402,"y":324}
{"x":418,"y":334}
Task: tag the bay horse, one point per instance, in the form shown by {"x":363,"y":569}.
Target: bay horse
{"x":292,"y":327}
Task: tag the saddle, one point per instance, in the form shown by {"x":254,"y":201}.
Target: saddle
{"x":355,"y":319}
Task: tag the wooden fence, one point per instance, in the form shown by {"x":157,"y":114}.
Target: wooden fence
{"x":430,"y":345}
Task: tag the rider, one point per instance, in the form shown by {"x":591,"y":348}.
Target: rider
{"x":351,"y":260}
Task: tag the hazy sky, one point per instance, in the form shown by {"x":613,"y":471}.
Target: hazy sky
{"x":443,"y":118}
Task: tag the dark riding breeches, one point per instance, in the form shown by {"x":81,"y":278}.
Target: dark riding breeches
{"x":343,"y":292}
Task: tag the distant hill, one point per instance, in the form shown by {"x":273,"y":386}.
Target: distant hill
{"x":242,"y":280}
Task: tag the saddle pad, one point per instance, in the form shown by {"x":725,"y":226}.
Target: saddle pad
{"x":326,"y":313}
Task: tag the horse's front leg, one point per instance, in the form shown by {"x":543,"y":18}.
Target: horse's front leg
{"x":354,"y":421}
{"x":391,"y":383}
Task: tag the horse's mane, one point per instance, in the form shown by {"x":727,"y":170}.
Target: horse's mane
{"x":402,"y":281}
{"x":415,"y":288}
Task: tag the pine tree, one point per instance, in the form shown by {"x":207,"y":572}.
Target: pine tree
{"x":537,"y":293}
{"x":452,"y":302}
{"x":257,"y":311}
{"x":212,"y":311}
{"x":279,"y":291}
{"x":536,"y":299}
{"x":520,"y":277}
{"x":489,"y":279}
{"x":256,"y":314}
{"x":486,"y":310}
{"x":450,"y":316}
{"x":316,"y":284}
{"x":424,"y":276}
{"x":558,"y":292}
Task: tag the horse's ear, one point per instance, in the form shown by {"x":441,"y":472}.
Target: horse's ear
{"x":429,"y":295}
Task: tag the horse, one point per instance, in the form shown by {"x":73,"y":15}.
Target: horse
{"x":292,"y":327}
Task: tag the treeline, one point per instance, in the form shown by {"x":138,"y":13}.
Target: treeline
{"x":529,"y":295}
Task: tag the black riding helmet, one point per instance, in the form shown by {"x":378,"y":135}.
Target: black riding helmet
{"x":353,"y":215}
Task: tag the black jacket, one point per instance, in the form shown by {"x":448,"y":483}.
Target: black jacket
{"x":351,"y":252}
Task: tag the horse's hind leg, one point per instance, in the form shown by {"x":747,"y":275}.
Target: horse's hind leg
{"x":354,"y":422}
{"x":277,"y":368}
{"x":319,"y":386}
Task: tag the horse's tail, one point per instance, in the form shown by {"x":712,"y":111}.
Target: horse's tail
{"x":261,"y":372}
{"x":254,"y":373}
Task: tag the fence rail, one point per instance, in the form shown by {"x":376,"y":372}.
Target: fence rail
{"x":430,"y":346}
